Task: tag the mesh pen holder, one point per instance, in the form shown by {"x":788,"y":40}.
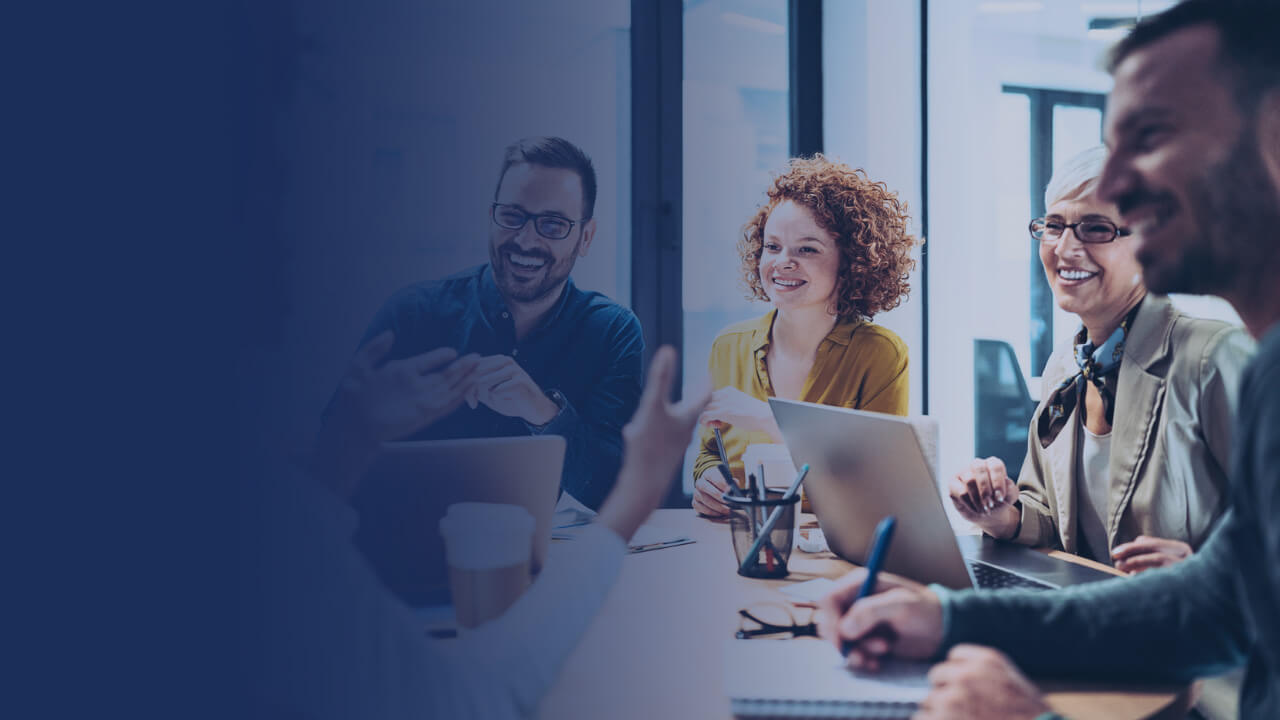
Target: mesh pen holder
{"x":746,"y":518}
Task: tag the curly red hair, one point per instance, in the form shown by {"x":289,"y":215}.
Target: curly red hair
{"x":868,"y":222}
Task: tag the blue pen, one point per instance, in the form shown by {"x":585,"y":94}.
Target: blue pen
{"x":720,"y":446}
{"x":724,"y":462}
{"x":879,"y":549}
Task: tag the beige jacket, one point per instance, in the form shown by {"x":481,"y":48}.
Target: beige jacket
{"x":1170,"y":439}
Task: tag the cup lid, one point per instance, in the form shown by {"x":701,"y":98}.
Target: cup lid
{"x":472,"y":517}
{"x":484,"y":535}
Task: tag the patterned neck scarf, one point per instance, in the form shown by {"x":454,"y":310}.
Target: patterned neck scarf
{"x":1097,"y":365}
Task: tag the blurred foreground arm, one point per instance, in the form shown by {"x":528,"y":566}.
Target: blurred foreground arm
{"x":654,"y":442}
{"x":337,"y":644}
{"x":1166,"y":625}
{"x":528,"y":645}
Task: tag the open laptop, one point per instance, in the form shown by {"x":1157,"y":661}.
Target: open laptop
{"x":865,"y":465}
{"x":411,"y":484}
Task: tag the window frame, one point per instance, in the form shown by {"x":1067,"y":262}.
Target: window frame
{"x":1042,"y":103}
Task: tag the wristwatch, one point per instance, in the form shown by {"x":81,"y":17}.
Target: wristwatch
{"x":1017,"y":505}
{"x":558,"y":398}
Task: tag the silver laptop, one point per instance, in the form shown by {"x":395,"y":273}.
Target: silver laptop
{"x":865,"y":465}
{"x":411,"y":484}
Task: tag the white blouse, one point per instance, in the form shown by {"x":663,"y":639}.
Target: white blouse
{"x":1094,"y":493}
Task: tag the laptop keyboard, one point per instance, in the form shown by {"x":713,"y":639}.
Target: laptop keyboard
{"x":990,"y":577}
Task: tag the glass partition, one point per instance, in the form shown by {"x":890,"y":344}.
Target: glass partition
{"x":735,"y":137}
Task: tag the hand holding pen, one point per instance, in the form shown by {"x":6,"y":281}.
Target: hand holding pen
{"x":713,"y":483}
{"x":879,"y":549}
{"x":872,"y":615}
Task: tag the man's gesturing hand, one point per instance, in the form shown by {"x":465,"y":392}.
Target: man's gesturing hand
{"x":388,"y":401}
{"x":654,"y":444}
{"x":381,"y":401}
{"x":500,"y":383}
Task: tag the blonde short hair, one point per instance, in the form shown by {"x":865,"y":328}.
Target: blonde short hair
{"x":1078,"y":176}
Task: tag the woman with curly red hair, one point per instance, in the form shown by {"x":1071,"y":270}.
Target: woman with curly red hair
{"x":829,"y":250}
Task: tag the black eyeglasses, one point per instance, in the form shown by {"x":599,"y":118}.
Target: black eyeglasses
{"x":1087,"y":231}
{"x":551,"y":227}
{"x":764,"y":619}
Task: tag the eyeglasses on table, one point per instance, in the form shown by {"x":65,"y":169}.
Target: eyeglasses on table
{"x":762,"y":620}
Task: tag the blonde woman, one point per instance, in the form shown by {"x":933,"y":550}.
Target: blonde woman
{"x":1128,"y":452}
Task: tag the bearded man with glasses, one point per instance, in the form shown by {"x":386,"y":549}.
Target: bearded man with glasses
{"x":1193,"y":168}
{"x":508,"y":348}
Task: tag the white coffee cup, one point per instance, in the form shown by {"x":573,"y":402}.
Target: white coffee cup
{"x":488,"y":547}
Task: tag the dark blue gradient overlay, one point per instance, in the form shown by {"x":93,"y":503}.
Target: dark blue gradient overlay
{"x":207,"y":202}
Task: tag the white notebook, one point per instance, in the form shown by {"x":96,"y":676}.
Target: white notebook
{"x":807,"y":678}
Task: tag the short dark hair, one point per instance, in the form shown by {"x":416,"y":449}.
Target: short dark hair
{"x":553,"y":152}
{"x":1248,"y":48}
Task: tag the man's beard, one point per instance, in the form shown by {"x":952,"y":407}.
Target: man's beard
{"x":1234,"y":209}
{"x":554,"y":273}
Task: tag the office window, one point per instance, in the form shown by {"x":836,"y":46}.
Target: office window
{"x":1061,"y":124}
{"x":576,"y":86}
{"x":1013,"y":86}
{"x":735,"y":136}
{"x":413,"y":107}
{"x":871,"y":120}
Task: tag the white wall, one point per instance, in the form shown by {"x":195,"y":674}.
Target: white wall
{"x":405,"y":109}
{"x":979,"y":267}
{"x":871,"y":120}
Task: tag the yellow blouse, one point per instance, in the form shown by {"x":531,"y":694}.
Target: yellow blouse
{"x":859,"y":365}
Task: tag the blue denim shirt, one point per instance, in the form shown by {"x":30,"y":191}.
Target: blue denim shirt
{"x":587,"y":354}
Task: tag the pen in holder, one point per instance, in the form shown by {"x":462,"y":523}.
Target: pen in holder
{"x":747,"y":515}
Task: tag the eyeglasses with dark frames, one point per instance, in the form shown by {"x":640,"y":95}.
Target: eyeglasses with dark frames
{"x":1091,"y":232}
{"x":549,"y":226}
{"x":766,"y":619}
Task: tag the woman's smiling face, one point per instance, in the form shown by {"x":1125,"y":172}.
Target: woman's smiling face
{"x":799,"y":260}
{"x":1095,"y":281}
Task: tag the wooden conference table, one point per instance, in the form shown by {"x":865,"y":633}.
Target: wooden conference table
{"x":656,"y":649}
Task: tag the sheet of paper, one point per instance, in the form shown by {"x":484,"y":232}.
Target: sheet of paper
{"x":810,"y":591}
{"x":812,"y":541}
{"x":647,"y":537}
{"x":653,"y":537}
{"x":571,"y":513}
{"x":926,"y":430}
{"x":808,"y":669}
